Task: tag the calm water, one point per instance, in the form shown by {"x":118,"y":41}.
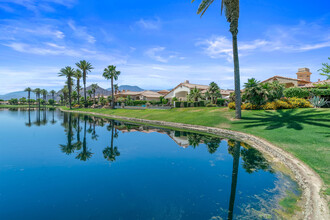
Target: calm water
{"x":56,"y":165}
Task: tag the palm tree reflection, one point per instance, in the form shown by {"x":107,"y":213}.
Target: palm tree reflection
{"x":236,"y":155}
{"x":85,"y":154}
{"x":110,"y":153}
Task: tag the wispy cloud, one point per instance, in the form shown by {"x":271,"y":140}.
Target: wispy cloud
{"x":161,"y":55}
{"x":149,"y":24}
{"x":35,"y":5}
{"x":81,"y":32}
{"x":285,"y":39}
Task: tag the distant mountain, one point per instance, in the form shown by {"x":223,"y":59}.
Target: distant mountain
{"x":128,"y":87}
{"x":99,"y":91}
{"x":14,"y":95}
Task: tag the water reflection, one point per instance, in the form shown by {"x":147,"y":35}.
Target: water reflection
{"x":78,"y":127}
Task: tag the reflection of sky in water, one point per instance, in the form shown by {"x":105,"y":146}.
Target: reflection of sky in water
{"x":136,"y":175}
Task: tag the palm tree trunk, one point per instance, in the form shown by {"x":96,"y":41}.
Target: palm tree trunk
{"x":39,"y":101}
{"x":234,"y":179}
{"x":53,"y":99}
{"x":84,"y":79}
{"x":78,"y":90}
{"x":237,"y":78}
{"x":69,"y":87}
{"x":29,"y":99}
{"x":112,"y":99}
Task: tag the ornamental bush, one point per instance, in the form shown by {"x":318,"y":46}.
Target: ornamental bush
{"x":231,"y":105}
{"x":296,"y":92}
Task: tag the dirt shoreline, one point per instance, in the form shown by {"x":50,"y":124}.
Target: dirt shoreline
{"x":314,"y":205}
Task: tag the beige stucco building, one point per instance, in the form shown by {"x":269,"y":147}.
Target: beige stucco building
{"x":143,"y":95}
{"x":303,"y":78}
{"x":183,"y":89}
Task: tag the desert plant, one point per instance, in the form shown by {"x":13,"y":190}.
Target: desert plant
{"x":318,"y":102}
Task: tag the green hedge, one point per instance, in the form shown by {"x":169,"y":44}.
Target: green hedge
{"x":320,"y":92}
{"x":296,"y":92}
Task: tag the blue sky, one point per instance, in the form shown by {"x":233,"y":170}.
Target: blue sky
{"x":158,"y":44}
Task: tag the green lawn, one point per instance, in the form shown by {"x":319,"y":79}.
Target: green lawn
{"x":303,"y":132}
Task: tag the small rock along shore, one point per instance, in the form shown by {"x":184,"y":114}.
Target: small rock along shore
{"x":315,"y":207}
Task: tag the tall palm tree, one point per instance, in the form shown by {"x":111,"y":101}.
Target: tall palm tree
{"x":94,"y":87}
{"x":85,"y":67}
{"x":111,"y":73}
{"x":44,"y":95}
{"x":68,"y":72}
{"x":29,"y":90}
{"x":37,"y":91}
{"x":78,"y":75}
{"x":53,"y":96}
{"x":232,"y":14}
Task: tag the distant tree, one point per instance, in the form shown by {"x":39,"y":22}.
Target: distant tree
{"x":68,"y":72}
{"x":254,"y":92}
{"x":85,"y":67}
{"x":78,"y":75}
{"x":94,"y":87}
{"x":325,"y":70}
{"x":231,"y":8}
{"x":28,"y":90}
{"x":53,"y":96}
{"x":13,"y":101}
{"x":22,"y":100}
{"x":111,"y":73}
{"x":44,"y":95}
{"x":116,"y":88}
{"x":37,"y":91}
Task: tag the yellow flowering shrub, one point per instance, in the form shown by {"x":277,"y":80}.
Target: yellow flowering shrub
{"x":299,"y":103}
{"x":231,"y":105}
{"x":249,"y":106}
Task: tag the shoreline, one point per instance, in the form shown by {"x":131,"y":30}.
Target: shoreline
{"x":314,"y":205}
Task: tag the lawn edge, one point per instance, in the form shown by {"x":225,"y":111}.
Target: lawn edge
{"x":314,"y":205}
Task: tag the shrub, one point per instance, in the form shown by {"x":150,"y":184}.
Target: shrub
{"x":320,"y":92}
{"x":202,"y":103}
{"x":177,"y":104}
{"x":51,"y":101}
{"x":299,"y":103}
{"x":318,"y":102}
{"x":296,"y":92}
{"x":249,"y":106}
{"x":185,"y":104}
{"x":231,"y":105}
{"x":221,"y":102}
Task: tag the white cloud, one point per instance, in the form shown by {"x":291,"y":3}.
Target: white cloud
{"x":81,"y":32}
{"x":294,"y":39}
{"x":36,"y":6}
{"x":154,"y":24}
{"x":161,"y":55}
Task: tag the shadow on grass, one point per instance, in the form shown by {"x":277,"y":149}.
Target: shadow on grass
{"x":292,"y":119}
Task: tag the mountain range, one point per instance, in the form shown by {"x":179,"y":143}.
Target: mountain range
{"x":100,"y":90}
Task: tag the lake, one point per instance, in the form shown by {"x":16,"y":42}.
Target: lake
{"x":56,"y":165}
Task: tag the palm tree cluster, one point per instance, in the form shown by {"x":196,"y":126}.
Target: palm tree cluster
{"x":41,"y":96}
{"x":212,"y":94}
{"x":83,"y":68}
{"x":258,"y":93}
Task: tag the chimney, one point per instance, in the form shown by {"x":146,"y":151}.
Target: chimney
{"x":304,"y":74}
{"x":124,"y":90}
{"x":187,"y":81}
{"x":318,"y":80}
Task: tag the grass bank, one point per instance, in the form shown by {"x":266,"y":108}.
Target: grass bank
{"x":303,"y":132}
